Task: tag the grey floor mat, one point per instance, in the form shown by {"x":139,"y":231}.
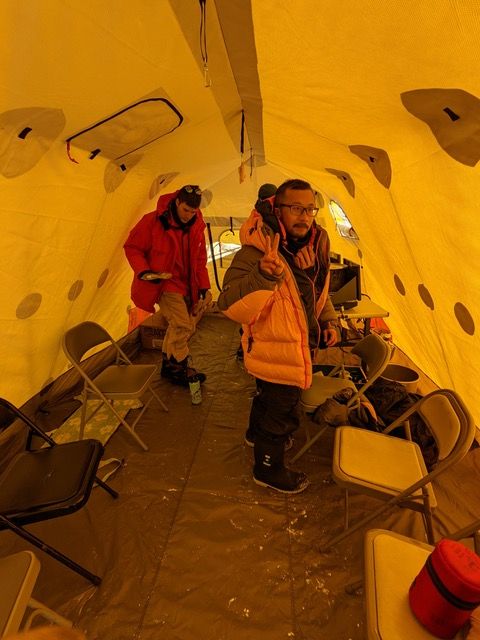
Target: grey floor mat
{"x":193,"y":549}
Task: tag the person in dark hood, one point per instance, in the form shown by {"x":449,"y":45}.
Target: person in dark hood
{"x":267,"y":190}
{"x":167,"y":252}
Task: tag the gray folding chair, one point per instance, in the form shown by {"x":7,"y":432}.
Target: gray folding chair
{"x":122,"y":380}
{"x":374,"y":354}
{"x":392,"y":469}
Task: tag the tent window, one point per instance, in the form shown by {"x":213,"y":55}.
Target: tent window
{"x":342,"y":223}
{"x":225,"y":248}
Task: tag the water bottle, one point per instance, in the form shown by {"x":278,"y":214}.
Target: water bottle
{"x":195,"y":390}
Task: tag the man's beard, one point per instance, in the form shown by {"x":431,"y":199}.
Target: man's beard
{"x":299,"y":230}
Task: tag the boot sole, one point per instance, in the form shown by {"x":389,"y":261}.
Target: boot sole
{"x":269,"y":486}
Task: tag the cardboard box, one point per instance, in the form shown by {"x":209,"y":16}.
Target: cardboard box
{"x":152,"y":331}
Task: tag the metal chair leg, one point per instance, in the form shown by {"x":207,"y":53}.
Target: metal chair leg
{"x":106,"y":487}
{"x":39,"y":609}
{"x":83,"y":413}
{"x":159,"y":399}
{"x":361,"y":523}
{"x":127,"y":427}
{"x":308,"y":444}
{"x":51,"y":551}
{"x":427,"y":516}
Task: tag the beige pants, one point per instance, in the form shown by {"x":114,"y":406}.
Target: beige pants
{"x":181,"y":325}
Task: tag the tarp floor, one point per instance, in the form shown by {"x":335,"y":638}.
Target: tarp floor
{"x":194,"y":550}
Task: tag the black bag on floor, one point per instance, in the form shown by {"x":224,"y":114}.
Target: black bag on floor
{"x":390,"y":400}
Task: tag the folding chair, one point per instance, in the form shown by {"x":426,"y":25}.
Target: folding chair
{"x":47,"y":483}
{"x":392,"y":469}
{"x":392,"y":561}
{"x":18,"y":574}
{"x":374,"y":353}
{"x":122,"y":380}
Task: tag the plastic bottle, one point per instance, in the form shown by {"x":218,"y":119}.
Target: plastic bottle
{"x":195,"y":389}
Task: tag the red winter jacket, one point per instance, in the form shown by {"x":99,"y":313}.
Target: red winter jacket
{"x":151,"y":246}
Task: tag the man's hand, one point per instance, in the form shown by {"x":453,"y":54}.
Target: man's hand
{"x":271,"y":264}
{"x":330,"y":336}
{"x":202,"y":293}
{"x":197,"y":306}
{"x":305,"y":257}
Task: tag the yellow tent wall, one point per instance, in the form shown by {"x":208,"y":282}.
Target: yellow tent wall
{"x":314,"y":79}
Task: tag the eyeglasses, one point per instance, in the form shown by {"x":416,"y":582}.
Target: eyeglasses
{"x":297,"y":210}
{"x":192,"y":188}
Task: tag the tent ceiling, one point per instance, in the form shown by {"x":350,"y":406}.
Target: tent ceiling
{"x":324,"y":87}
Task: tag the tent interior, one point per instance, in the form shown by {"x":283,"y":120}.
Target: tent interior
{"x":376,"y":105}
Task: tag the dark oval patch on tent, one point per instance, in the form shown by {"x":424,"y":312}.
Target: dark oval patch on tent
{"x":425,"y":296}
{"x":207,"y":197}
{"x":28,"y":306}
{"x":25,"y":137}
{"x":399,"y":285}
{"x":464,"y":318}
{"x":102,"y":278}
{"x":453,"y":116}
{"x":75,"y":290}
{"x":377,"y":161}
{"x":116,"y":172}
{"x":360,"y":254}
{"x":160,"y":183}
{"x":320,"y":200}
{"x":345,"y":178}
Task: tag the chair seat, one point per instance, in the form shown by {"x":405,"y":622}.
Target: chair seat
{"x":392,"y":562}
{"x":323,"y":387}
{"x":54,"y":480}
{"x":126,"y":380}
{"x":398,"y":463}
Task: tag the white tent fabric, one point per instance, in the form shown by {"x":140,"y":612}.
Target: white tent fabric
{"x":336,"y":93}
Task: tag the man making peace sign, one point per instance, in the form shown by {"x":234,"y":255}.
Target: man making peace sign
{"x":277,"y":288}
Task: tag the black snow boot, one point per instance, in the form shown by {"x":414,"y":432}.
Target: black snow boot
{"x":269,"y":470}
{"x":180,"y":372}
{"x":250,"y":436}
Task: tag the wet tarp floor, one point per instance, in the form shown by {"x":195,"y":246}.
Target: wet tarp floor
{"x":193,"y":549}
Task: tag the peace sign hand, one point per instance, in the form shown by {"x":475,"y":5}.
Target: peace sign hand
{"x":271,"y":264}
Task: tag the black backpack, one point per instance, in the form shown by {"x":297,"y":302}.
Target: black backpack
{"x":390,"y":400}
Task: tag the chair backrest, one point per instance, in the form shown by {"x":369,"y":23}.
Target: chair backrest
{"x":448,"y":420}
{"x":375,"y":354}
{"x":83,"y":337}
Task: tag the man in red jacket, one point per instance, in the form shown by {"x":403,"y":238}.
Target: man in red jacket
{"x":168,"y":255}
